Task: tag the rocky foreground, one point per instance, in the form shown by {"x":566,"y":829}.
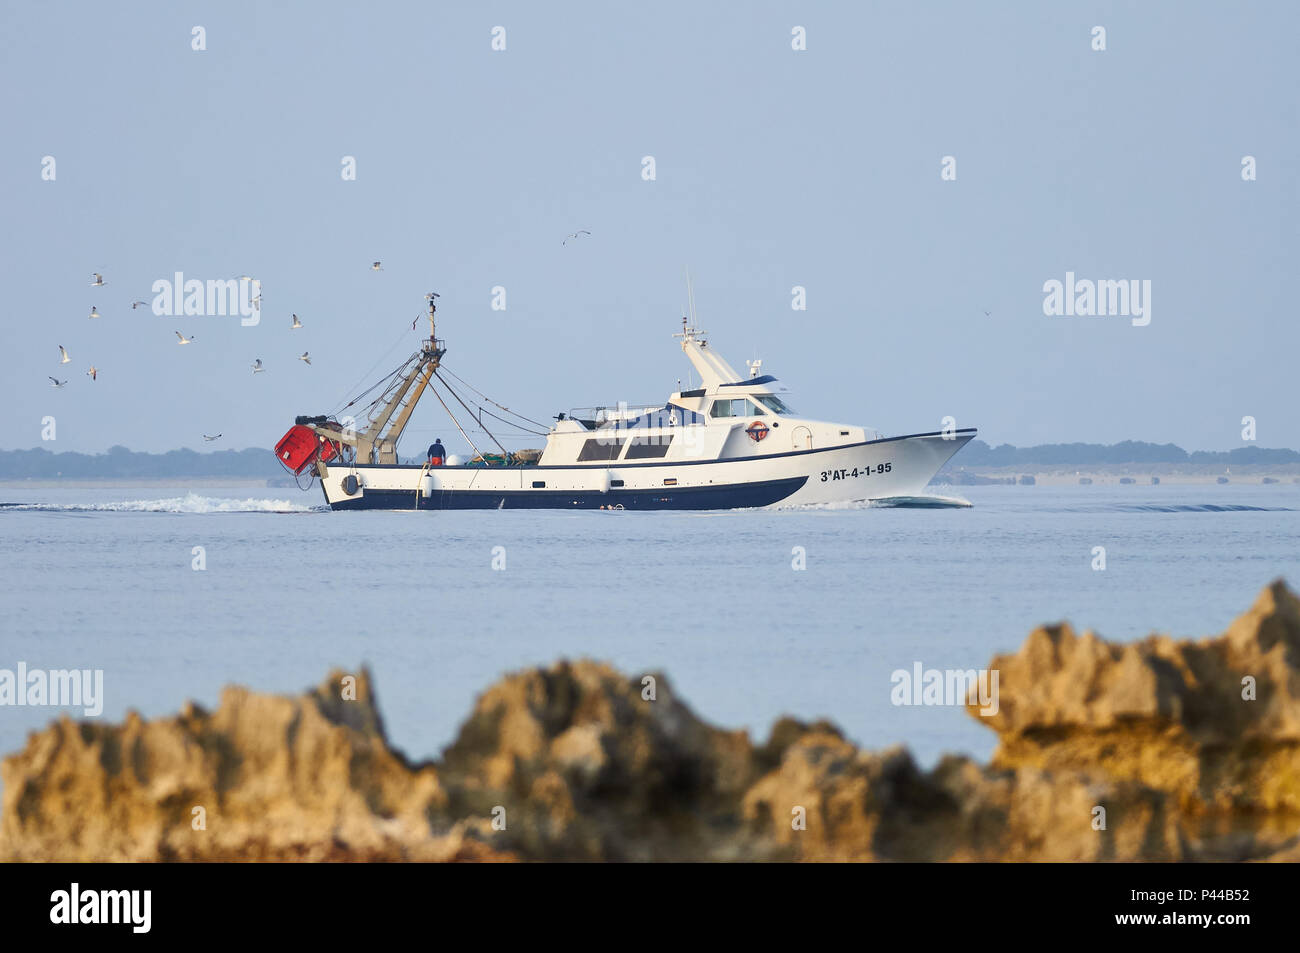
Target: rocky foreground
{"x":1191,"y":751}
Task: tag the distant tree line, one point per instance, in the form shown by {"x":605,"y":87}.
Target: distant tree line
{"x":121,"y":462}
{"x":255,"y":463}
{"x":977,"y":453}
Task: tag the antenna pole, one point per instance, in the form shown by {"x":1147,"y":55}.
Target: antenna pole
{"x":690,"y":296}
{"x":432,"y":298}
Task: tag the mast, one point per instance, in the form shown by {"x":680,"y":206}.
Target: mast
{"x":382,"y":436}
{"x":377,"y":441}
{"x":712,"y":367}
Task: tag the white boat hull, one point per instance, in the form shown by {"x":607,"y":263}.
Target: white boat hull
{"x":881,"y":469}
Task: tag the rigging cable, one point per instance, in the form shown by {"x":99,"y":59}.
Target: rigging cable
{"x":510,"y":423}
{"x":363,"y":377}
{"x":457,"y":423}
{"x":386,"y":383}
{"x":471,"y":413}
{"x":389,"y":382}
{"x":536,"y":423}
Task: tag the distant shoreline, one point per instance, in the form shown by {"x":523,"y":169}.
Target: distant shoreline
{"x":1122,"y":474}
{"x":1041,"y":475}
{"x":976,"y":463}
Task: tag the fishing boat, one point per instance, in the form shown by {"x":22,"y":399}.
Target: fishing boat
{"x":731,"y":442}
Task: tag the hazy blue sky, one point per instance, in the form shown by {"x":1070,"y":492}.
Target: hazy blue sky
{"x":775,"y":168}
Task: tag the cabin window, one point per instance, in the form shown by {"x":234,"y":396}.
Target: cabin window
{"x":599,"y":449}
{"x":615,"y":483}
{"x":734,"y":407}
{"x":773,"y":403}
{"x":539,"y":484}
{"x":649,"y":448}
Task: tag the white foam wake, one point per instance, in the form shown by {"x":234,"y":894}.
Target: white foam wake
{"x":924,"y":501}
{"x":189,"y":503}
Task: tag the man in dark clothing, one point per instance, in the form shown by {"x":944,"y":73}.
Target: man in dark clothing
{"x":437,"y":453}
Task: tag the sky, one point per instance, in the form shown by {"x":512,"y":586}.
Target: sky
{"x":774,"y":168}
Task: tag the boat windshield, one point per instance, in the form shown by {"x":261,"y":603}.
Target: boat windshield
{"x":773,"y":403}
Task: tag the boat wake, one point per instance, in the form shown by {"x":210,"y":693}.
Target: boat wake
{"x":923,"y":502}
{"x":889,"y":502}
{"x":190,"y":503}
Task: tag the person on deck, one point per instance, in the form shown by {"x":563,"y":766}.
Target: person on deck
{"x":437,"y":453}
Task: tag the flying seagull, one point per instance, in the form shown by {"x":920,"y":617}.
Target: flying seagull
{"x":376,"y":266}
{"x":210,"y":439}
{"x":139,"y":304}
{"x":581,"y":231}
{"x":93,"y":373}
{"x":55,"y":382}
{"x":988,"y":314}
{"x":183,"y":338}
{"x":257,"y":366}
{"x":296,"y":323}
{"x":97,"y":281}
{"x":305,"y":358}
{"x":63,"y":356}
{"x":93,"y":312}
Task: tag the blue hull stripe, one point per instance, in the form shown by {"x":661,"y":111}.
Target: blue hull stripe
{"x":732,"y":496}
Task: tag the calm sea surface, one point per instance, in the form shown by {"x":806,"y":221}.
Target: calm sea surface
{"x":102,"y":579}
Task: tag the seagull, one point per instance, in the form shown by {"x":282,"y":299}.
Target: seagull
{"x":93,"y":373}
{"x":257,"y":303}
{"x":139,"y":304}
{"x":63,"y":356}
{"x":376,"y":266}
{"x":93,"y":312}
{"x":55,"y":382}
{"x":429,"y":298}
{"x":183,"y":338}
{"x":210,"y":439}
{"x":97,"y":280}
{"x":988,"y":314}
{"x":257,"y":366}
{"x":305,"y":358}
{"x":296,"y":323}
{"x":581,"y":231}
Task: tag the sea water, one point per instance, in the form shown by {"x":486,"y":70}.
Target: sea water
{"x":750,"y":614}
